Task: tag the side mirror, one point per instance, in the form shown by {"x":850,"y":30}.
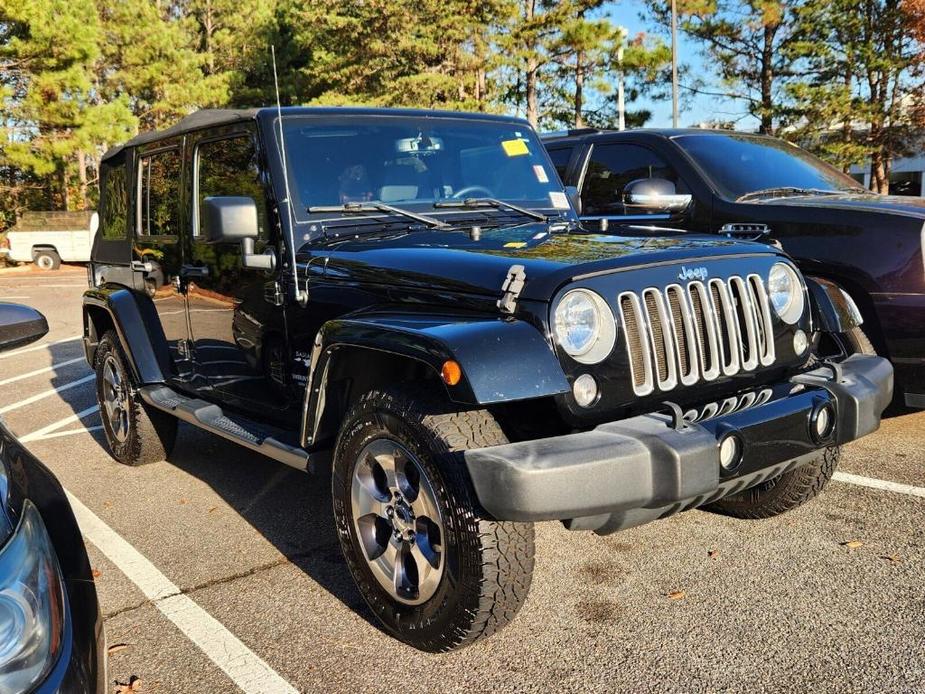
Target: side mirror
{"x":574,"y":197}
{"x":232,"y":219}
{"x":20,"y":325}
{"x":655,"y":195}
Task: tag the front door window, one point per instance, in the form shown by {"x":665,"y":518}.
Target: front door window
{"x":610,"y":168}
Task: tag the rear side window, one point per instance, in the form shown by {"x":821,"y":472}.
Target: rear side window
{"x":612,"y":167}
{"x":113,"y":201}
{"x":560,"y":159}
{"x":229,"y":167}
{"x":159,"y":194}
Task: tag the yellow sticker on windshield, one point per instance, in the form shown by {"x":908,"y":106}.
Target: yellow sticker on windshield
{"x":515,"y":244}
{"x":515,"y":148}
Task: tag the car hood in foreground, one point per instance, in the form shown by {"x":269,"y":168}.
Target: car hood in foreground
{"x":452,"y":261}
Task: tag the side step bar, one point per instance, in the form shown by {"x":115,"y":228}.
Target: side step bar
{"x":210,"y":417}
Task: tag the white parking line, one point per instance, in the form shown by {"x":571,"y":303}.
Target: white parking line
{"x":54,"y":426}
{"x":43,"y":370}
{"x":69,"y":432}
{"x":883,"y":485}
{"x":34,"y":348}
{"x":245,"y":668}
{"x":46,"y":393}
{"x":7,"y":298}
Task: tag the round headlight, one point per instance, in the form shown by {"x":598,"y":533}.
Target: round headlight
{"x":786,"y":293}
{"x":584,"y":326}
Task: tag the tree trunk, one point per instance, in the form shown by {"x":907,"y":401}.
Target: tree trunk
{"x":82,"y":176}
{"x":65,"y":194}
{"x":767,"y":80}
{"x":879,"y":172}
{"x":533,"y":68}
{"x":579,"y":87}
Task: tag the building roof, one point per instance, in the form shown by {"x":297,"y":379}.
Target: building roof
{"x":206,"y":118}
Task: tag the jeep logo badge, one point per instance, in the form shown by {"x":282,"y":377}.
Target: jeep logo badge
{"x":692,"y":273}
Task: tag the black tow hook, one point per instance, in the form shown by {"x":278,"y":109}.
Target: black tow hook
{"x":678,"y":423}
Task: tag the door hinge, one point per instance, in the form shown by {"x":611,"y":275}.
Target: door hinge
{"x":273,"y":294}
{"x":513,"y":285}
{"x":750,"y":231}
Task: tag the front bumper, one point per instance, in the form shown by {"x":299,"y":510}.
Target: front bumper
{"x":625,"y":473}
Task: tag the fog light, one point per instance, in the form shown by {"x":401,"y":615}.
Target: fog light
{"x":800,"y":342}
{"x":823,"y":422}
{"x":585,"y":390}
{"x":730,"y":452}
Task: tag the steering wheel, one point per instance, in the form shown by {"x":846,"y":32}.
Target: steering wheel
{"x":468,"y":191}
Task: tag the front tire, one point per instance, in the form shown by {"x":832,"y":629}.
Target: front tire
{"x":782,"y":493}
{"x":136,"y":433}
{"x":403,"y":502}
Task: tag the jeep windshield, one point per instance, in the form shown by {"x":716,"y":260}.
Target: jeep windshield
{"x":451,"y":166}
{"x":749,"y":167}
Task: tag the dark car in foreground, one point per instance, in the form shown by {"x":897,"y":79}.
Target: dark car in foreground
{"x":406,"y":299}
{"x":758,"y":187}
{"x":51,"y":631}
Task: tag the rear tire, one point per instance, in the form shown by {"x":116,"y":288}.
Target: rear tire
{"x":137,"y":434}
{"x":483,"y":566}
{"x":47,"y":260}
{"x":782,"y":493}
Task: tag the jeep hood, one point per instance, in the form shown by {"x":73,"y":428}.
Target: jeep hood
{"x":882,"y":204}
{"x":453,"y":262}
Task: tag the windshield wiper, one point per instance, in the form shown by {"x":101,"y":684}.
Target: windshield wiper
{"x":492,"y":202}
{"x":376,"y":206}
{"x":785,"y":191}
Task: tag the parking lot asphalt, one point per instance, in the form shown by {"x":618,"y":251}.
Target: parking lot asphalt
{"x":697,"y":602}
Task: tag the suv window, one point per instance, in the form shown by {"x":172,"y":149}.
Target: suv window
{"x":613,"y":166}
{"x":228,"y":167}
{"x":113,"y":202}
{"x":560,"y":159}
{"x":159,"y":194}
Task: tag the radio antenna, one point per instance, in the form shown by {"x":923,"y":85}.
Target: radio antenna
{"x":300,"y":296}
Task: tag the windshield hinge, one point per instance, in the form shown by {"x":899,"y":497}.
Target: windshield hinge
{"x":513,"y":285}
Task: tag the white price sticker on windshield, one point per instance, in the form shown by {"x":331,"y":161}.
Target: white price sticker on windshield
{"x":540,"y":173}
{"x":559,"y":200}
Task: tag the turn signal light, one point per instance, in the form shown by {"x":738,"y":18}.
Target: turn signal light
{"x":451,"y":372}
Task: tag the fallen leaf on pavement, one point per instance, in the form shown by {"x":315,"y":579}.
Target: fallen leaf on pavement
{"x":676,"y":595}
{"x":134,"y":685}
{"x":116,"y":647}
{"x":214,"y":508}
{"x":852,"y":544}
{"x":892,"y":558}
{"x":96,"y":573}
{"x":712,"y":554}
{"x":184,"y":501}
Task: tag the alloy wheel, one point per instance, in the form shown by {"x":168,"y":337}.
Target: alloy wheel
{"x":398,"y":522}
{"x":115,"y":400}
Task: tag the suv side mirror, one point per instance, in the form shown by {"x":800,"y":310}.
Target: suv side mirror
{"x":655,"y":194}
{"x":20,"y":325}
{"x":233,"y":219}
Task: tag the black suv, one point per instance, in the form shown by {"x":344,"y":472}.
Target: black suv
{"x":758,"y":187}
{"x":406,"y":299}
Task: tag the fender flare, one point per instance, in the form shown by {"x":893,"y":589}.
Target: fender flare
{"x":501,"y":360}
{"x":834,"y":310}
{"x":136,"y":322}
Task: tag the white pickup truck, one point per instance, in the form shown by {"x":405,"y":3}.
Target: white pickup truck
{"x":48,"y":238}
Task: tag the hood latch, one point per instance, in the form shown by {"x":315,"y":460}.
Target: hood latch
{"x":513,"y":285}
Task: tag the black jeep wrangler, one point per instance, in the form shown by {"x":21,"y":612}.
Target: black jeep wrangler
{"x":406,"y":300}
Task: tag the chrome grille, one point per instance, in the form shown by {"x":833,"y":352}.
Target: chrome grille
{"x":686,"y":335}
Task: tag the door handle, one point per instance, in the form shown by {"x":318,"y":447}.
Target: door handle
{"x":140,"y":266}
{"x":188,"y":271}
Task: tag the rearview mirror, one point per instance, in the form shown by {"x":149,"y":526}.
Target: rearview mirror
{"x":233,"y":219}
{"x":20,"y":325}
{"x":655,"y":195}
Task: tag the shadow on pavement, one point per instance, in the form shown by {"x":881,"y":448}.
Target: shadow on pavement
{"x":291,"y":509}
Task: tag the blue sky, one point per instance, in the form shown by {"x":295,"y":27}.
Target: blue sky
{"x":694,"y":108}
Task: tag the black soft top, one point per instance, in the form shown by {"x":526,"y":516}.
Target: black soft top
{"x":211,"y":117}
